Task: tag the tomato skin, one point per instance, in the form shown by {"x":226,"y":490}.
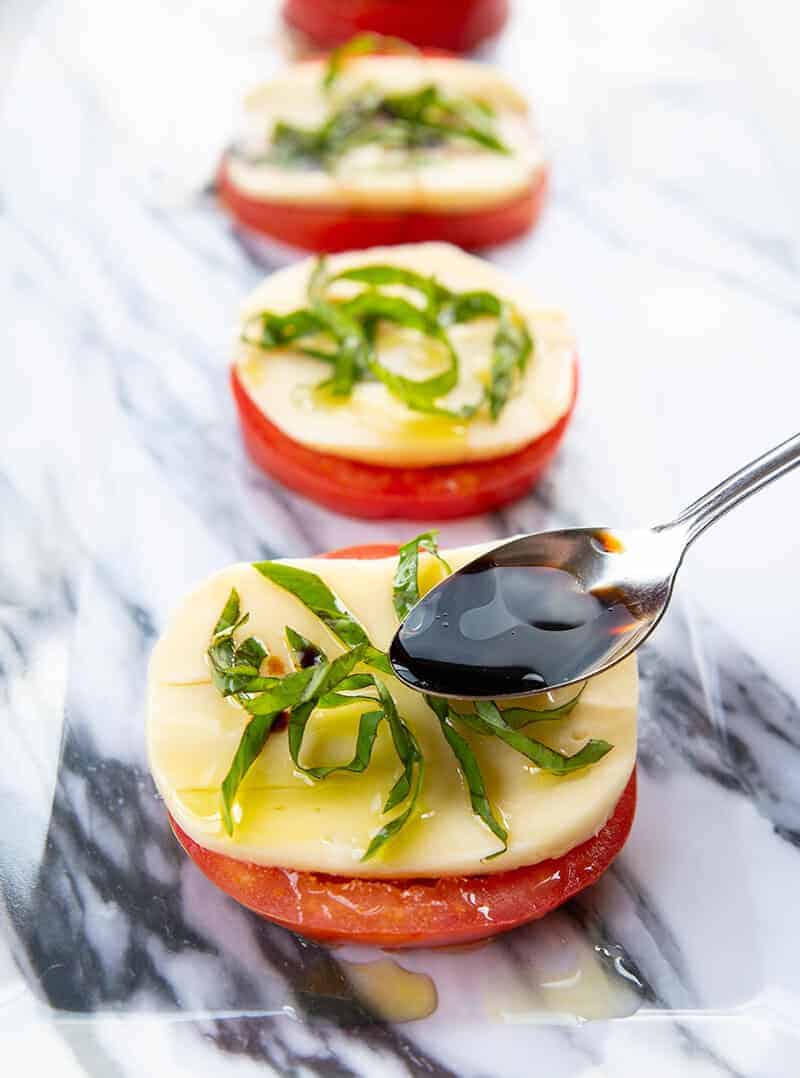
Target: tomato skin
{"x":458,"y":25}
{"x":328,"y":229}
{"x":365,"y":550}
{"x":378,"y":492}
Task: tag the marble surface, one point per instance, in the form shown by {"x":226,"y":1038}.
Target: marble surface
{"x":672,"y":239}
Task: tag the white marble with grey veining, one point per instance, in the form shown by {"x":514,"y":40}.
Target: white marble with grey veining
{"x":672,"y":238}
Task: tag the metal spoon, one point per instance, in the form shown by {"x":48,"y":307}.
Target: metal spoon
{"x":548,"y":610}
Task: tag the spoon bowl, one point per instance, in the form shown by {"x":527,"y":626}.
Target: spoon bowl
{"x":539,"y":612}
{"x":548,"y":610}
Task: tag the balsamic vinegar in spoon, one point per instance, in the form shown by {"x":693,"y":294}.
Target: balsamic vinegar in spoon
{"x":497,"y":630}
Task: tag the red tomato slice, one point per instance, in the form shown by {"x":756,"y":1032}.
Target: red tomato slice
{"x":415,"y":913}
{"x":421,"y":912}
{"x":458,"y":25}
{"x":328,"y":229}
{"x":377,"y":492}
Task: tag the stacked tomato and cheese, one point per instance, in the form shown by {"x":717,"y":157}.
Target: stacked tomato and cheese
{"x":377,"y":450}
{"x":393,"y":149}
{"x":296,"y":838}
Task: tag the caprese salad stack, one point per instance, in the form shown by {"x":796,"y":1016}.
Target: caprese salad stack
{"x":358,"y":150}
{"x":412,"y":381}
{"x":315,"y":788}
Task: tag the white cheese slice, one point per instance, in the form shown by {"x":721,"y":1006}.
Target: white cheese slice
{"x":450,"y":178}
{"x":374,"y":426}
{"x":285,"y":819}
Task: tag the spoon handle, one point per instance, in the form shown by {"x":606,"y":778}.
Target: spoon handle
{"x":696,"y":517}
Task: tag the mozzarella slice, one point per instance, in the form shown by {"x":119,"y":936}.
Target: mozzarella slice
{"x":448,"y":178}
{"x":288,"y":820}
{"x":374,"y":426}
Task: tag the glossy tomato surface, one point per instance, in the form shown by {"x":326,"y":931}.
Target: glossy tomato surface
{"x":373,"y":491}
{"x":458,"y":25}
{"x":328,"y":229}
{"x":414,"y":912}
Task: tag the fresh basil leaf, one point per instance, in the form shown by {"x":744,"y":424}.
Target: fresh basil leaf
{"x":229,"y":616}
{"x":290,"y":145}
{"x":378,"y":274}
{"x":318,"y":280}
{"x":281,"y":330}
{"x":404,"y":743}
{"x":350,"y":358}
{"x":465,"y":306}
{"x":372,"y":307}
{"x":511,"y":348}
{"x":390,"y":829}
{"x":519,"y":717}
{"x":420,"y":118}
{"x":378,"y":660}
{"x":429,"y":112}
{"x":314,"y":593}
{"x":367,"y":731}
{"x":346,"y":692}
{"x":234,"y":669}
{"x":251,"y":652}
{"x":250,"y":747}
{"x":284,"y":693}
{"x":265,"y":709}
{"x":406,"y":577}
{"x":470,"y":769}
{"x":333,"y":700}
{"x":490,"y":720}
{"x":324,"y":678}
{"x":303,"y":652}
{"x":360,"y":45}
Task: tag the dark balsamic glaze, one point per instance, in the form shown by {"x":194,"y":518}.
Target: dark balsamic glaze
{"x":501,"y":629}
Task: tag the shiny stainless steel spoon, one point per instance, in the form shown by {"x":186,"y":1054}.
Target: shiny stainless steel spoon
{"x":548,"y":610}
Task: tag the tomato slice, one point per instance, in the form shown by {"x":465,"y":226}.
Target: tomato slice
{"x":378,"y":492}
{"x":416,"y":912}
{"x":458,"y":25}
{"x":328,"y":229}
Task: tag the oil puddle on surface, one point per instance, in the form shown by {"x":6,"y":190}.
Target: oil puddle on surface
{"x":392,"y":993}
{"x":550,"y":972}
{"x":567,"y":976}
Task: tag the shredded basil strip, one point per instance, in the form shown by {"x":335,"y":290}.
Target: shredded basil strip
{"x":235,"y":669}
{"x":346,"y":335}
{"x":361,"y":45}
{"x":314,"y":593}
{"x":390,"y":829}
{"x":404,"y":741}
{"x":370,"y":308}
{"x":254,"y":738}
{"x":419,"y":119}
{"x":318,"y":683}
{"x":378,"y":275}
{"x":265,"y":709}
{"x":519,"y":717}
{"x":325,"y":677}
{"x":510,"y":351}
{"x":489,"y":720}
{"x":470,"y":769}
{"x":406,"y":578}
